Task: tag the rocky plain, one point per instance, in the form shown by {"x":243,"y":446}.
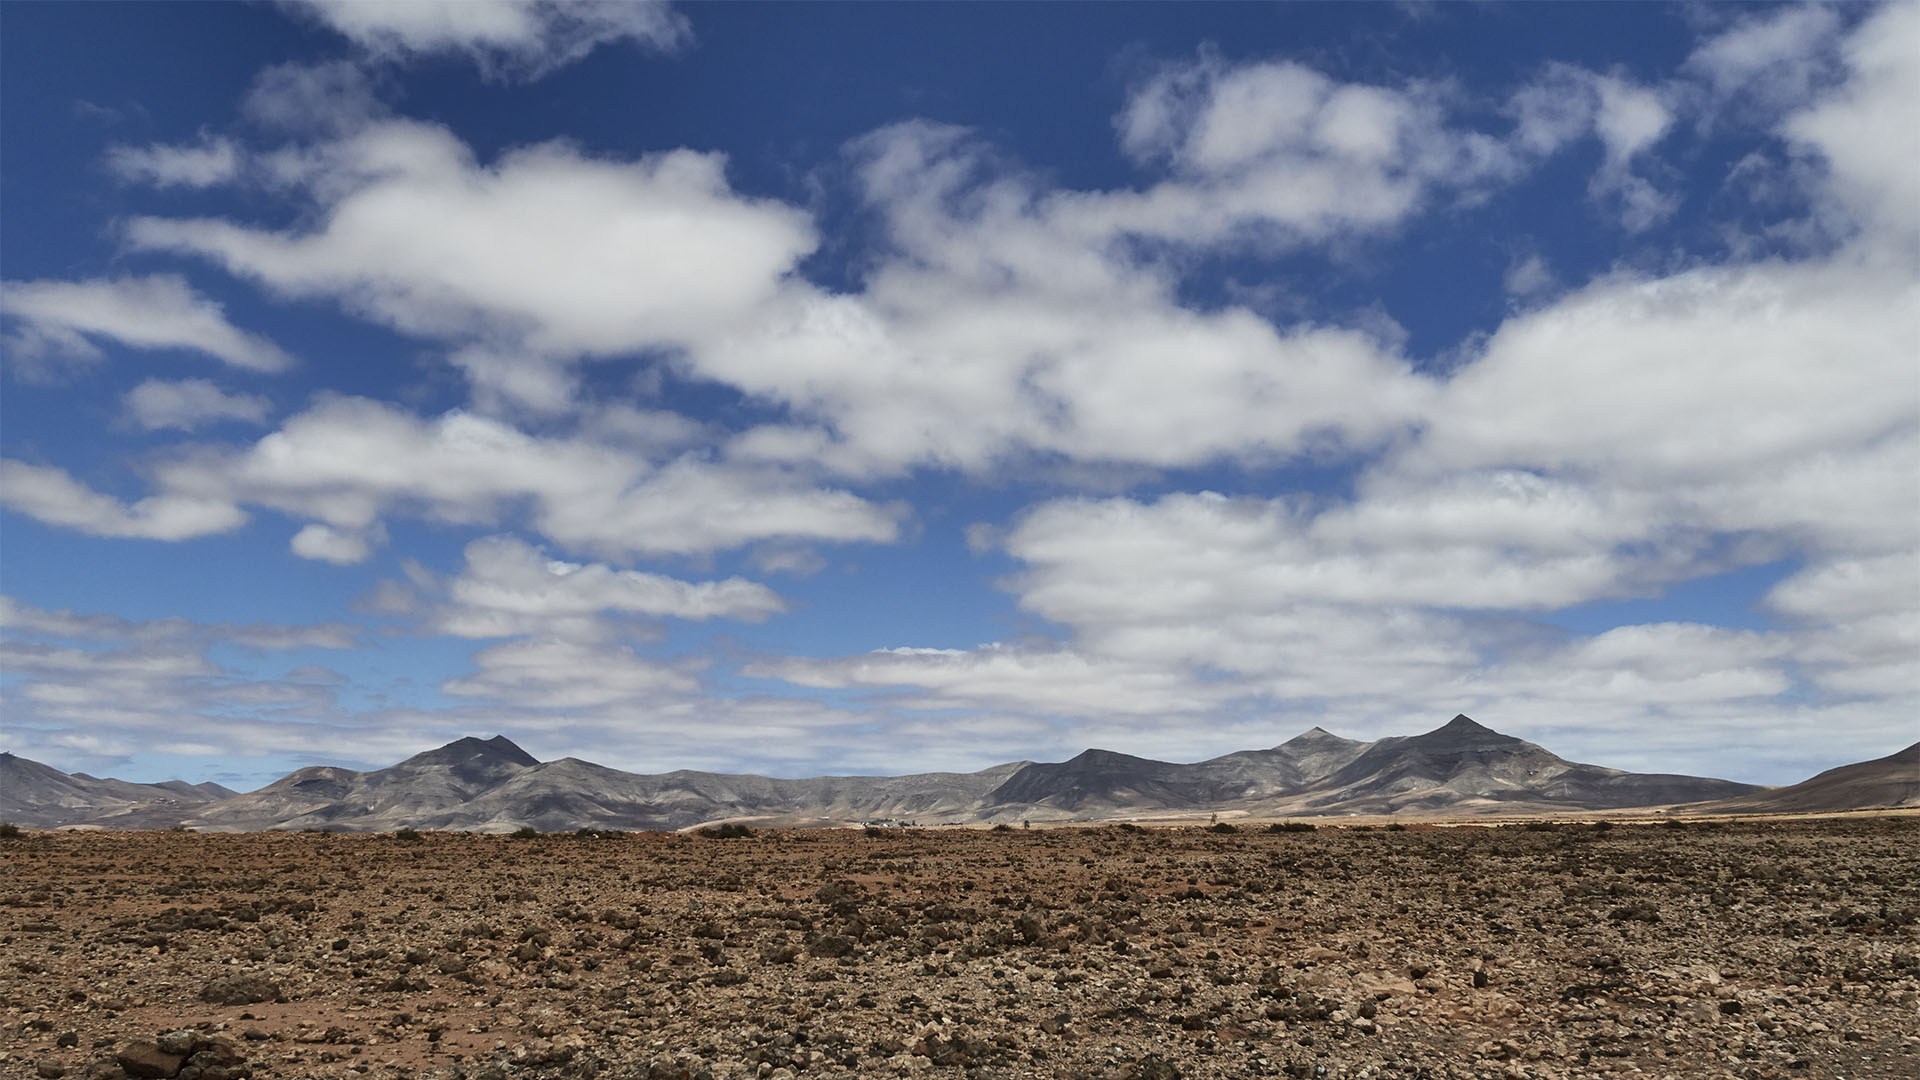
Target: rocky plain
{"x":1761,"y":948}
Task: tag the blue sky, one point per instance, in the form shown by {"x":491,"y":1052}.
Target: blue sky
{"x":874,"y":388}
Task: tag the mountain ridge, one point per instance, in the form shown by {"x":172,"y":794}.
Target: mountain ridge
{"x":492,"y":784}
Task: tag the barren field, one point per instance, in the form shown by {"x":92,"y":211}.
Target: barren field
{"x":1750,"y":949}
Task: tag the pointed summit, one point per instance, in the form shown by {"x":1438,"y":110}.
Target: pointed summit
{"x":1313,"y":736}
{"x":1463,"y":731}
{"x":498,"y":750}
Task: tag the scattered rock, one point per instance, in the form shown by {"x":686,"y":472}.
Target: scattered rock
{"x":240,"y":990}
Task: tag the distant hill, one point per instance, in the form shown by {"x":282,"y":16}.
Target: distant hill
{"x":1891,"y":781}
{"x":493,"y":785}
{"x":41,"y":796}
{"x":1466,"y":764}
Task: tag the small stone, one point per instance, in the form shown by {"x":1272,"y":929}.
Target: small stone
{"x":49,"y":1069}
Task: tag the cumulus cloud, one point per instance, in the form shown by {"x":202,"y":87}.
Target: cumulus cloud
{"x":1867,"y":130}
{"x":63,"y":319}
{"x":1711,"y":373}
{"x":1283,"y":149}
{"x":52,"y":496}
{"x":1005,"y":329}
{"x":544,"y":256}
{"x":347,"y":462}
{"x":513,"y":40}
{"x":187,"y":404}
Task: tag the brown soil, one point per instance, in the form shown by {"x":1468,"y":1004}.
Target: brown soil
{"x":1738,"y":949}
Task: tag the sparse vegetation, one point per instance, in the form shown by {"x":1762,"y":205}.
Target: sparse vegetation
{"x":526,"y":832}
{"x":8,"y":830}
{"x":408,"y":835}
{"x":1223,"y":827}
{"x":1290,"y":826}
{"x":731,"y":830}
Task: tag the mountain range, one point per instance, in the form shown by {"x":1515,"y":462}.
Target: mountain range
{"x":492,"y":785}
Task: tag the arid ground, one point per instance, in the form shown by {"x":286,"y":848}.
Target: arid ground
{"x":1746,"y":949}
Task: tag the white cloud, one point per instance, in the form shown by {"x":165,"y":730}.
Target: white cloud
{"x":25,"y":618}
{"x":92,"y":690}
{"x":518,"y":40}
{"x":1630,"y":120}
{"x":190,"y":403}
{"x":51,"y":496}
{"x":1004,"y":328}
{"x":1041,"y":680}
{"x":934,"y":372}
{"x":59,"y":318}
{"x":1849,"y":589}
{"x":542,"y":257}
{"x":1500,"y":541}
{"x":1868,"y":130}
{"x":1706,"y":376}
{"x":509,"y":587}
{"x":1529,"y":276}
{"x":552,"y":673}
{"x":1282,"y":149}
{"x":347,"y":462}
{"x":1774,"y":58}
{"x":324,"y":543}
{"x":1566,"y":103}
{"x":213,"y":161}
{"x":798,"y":560}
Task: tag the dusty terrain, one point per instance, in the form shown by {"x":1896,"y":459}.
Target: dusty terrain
{"x":1745,"y":949}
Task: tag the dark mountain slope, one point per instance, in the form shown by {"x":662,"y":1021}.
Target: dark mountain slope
{"x":1890,"y":781}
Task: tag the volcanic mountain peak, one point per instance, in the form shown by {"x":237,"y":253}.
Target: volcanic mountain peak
{"x":471,"y":751}
{"x":1462,"y":732}
{"x":1103,"y":760}
{"x":1317,"y":740}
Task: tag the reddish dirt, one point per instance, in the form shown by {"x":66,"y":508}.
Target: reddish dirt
{"x":1741,"y":949}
